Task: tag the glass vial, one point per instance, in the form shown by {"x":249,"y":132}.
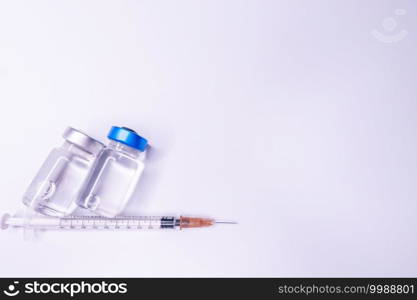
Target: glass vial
{"x":116,"y":173}
{"x":56,"y":186}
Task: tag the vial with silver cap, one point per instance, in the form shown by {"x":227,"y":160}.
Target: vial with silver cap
{"x":116,"y":173}
{"x":55,"y":188}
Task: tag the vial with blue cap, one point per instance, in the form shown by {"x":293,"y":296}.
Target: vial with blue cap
{"x":116,"y":173}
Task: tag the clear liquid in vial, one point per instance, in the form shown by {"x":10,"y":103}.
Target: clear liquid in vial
{"x":57,"y":184}
{"x":112,"y":183}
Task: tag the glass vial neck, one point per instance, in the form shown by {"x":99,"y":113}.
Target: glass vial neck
{"x":76,"y":150}
{"x":126,"y":149}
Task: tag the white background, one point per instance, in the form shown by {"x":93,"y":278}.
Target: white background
{"x":286,"y":116}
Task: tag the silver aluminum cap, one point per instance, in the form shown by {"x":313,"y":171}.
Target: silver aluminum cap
{"x":82,"y":140}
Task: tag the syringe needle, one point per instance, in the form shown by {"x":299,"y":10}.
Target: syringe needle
{"x":225,"y":222}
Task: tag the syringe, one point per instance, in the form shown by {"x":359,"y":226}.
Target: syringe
{"x":101,"y":223}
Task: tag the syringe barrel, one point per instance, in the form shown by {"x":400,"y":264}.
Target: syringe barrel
{"x":91,"y":222}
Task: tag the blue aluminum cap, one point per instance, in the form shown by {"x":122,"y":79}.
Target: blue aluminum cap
{"x":128,"y":137}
